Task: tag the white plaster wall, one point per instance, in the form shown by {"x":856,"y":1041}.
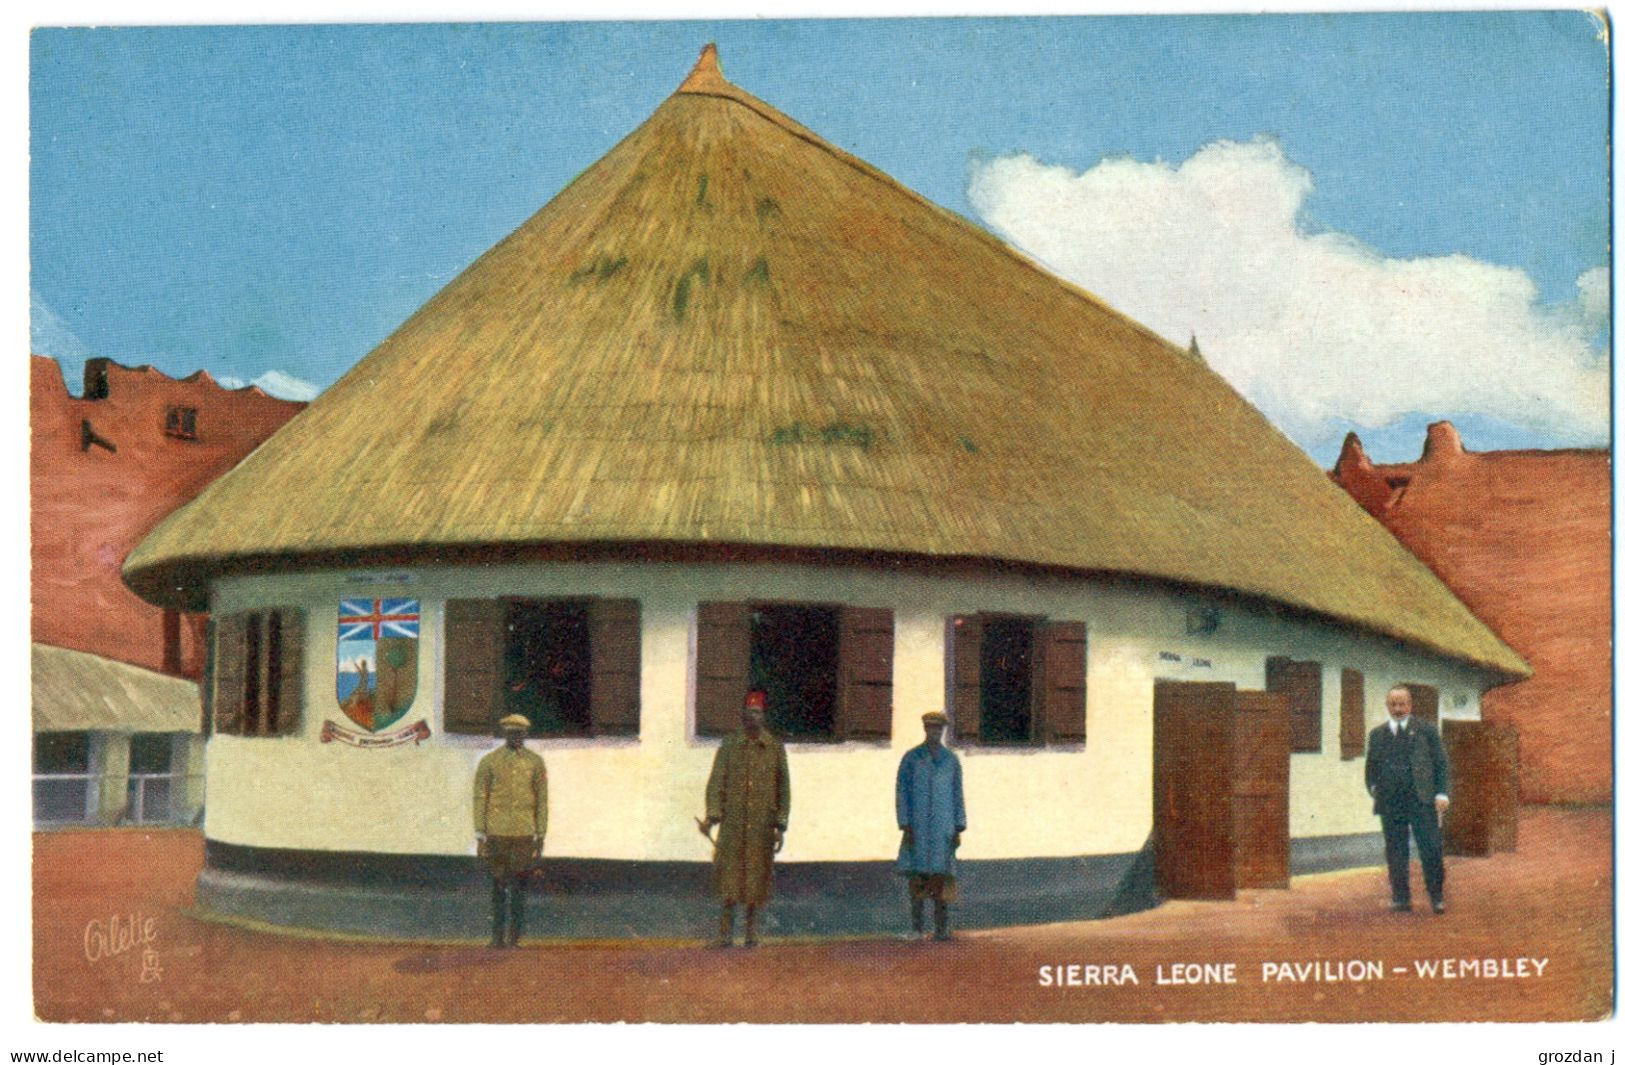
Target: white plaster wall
{"x":635,"y":798}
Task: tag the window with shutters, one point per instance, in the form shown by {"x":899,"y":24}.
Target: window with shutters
{"x":826,"y":669}
{"x":181,"y":423}
{"x":1300,"y":683}
{"x":257,"y":673}
{"x":1351,"y":723}
{"x":1424,"y":702}
{"x":1016,"y":680}
{"x":569,"y":665}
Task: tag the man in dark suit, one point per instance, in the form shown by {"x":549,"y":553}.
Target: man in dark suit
{"x":1409,"y":779}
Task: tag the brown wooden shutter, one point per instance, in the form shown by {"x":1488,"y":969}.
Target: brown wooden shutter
{"x":1062,"y":648}
{"x":722,"y":659}
{"x":291,"y":687}
{"x":230,"y":662}
{"x":616,"y":646}
{"x":863,"y":707}
{"x":1424,"y":702}
{"x":965,"y":650}
{"x":206,"y":684}
{"x":1351,"y":725}
{"x":1300,"y":682}
{"x":475,"y":637}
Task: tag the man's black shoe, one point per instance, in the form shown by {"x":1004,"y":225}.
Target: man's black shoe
{"x":1400,"y":907}
{"x":1438,"y":905}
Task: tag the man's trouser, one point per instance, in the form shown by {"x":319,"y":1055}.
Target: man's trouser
{"x":1400,"y":820}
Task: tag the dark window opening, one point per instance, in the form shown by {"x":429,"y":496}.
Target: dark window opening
{"x":62,"y":752}
{"x":150,"y":752}
{"x":273,"y":671}
{"x":251,"y":676}
{"x":181,"y":423}
{"x":547,"y":666}
{"x":96,"y":379}
{"x":150,"y":792}
{"x":1007,"y":680}
{"x":794,"y":654}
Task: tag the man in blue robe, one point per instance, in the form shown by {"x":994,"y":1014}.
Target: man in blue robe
{"x":931,"y":814}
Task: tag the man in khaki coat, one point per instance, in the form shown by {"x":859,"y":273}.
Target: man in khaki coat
{"x":510,"y":822}
{"x":749,"y":796}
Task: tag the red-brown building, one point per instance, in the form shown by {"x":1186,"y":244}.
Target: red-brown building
{"x":116,"y":715}
{"x":103,"y":470}
{"x":1522,"y":537}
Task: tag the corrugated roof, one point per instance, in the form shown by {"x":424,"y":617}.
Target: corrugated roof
{"x":74,"y":691}
{"x":729,"y":331}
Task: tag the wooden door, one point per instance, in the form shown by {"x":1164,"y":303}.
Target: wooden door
{"x":1263,"y":759}
{"x":1483,"y":814}
{"x":1193,"y":768}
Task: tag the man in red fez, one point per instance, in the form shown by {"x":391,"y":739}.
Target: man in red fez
{"x":749,"y":796}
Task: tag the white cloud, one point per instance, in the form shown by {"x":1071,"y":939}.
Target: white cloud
{"x":286,"y":386}
{"x":353,"y":665}
{"x":50,"y":335}
{"x":276,"y":383}
{"x":1311,"y":327}
{"x":1594,"y":296}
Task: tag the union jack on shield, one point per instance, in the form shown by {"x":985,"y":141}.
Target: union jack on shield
{"x":374,"y":619}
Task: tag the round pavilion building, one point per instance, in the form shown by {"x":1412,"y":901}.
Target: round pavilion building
{"x":737,"y":410}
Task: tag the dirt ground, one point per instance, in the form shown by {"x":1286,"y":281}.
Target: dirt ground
{"x":114,"y":941}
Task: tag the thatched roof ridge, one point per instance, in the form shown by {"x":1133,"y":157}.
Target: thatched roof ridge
{"x":729,"y":331}
{"x":706,"y":80}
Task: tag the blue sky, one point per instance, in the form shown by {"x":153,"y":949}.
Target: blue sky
{"x":274,"y":200}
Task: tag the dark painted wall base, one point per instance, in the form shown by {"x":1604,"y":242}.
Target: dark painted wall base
{"x":1321,"y":854}
{"x":441,"y":897}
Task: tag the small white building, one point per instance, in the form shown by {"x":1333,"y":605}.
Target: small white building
{"x":114,"y":744}
{"x":737,"y":410}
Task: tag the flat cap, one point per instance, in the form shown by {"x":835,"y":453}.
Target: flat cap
{"x":515,"y":721}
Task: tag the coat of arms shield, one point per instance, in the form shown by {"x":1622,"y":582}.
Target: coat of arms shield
{"x":377,"y":660}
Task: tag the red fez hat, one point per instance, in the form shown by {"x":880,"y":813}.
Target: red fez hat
{"x":756,"y":701}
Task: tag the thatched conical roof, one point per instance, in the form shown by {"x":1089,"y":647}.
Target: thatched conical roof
{"x":729,"y":332}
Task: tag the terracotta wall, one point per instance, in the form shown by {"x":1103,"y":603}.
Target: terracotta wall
{"x":91,"y":505}
{"x":1522,"y":537}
